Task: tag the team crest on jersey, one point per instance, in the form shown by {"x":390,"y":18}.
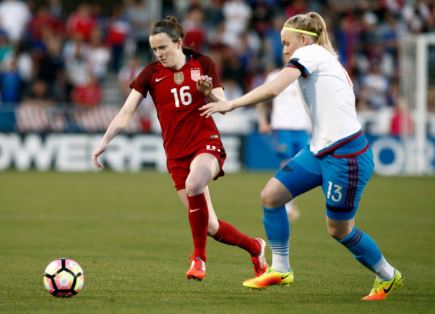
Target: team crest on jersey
{"x":195,"y":73}
{"x":178,"y":77}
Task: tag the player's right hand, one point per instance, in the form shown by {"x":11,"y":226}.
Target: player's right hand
{"x":97,"y":152}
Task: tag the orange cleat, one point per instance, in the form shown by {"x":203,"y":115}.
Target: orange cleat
{"x":197,"y":269}
{"x":270,"y":278}
{"x":382,"y":289}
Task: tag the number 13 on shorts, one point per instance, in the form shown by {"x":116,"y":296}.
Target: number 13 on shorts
{"x":334,"y":192}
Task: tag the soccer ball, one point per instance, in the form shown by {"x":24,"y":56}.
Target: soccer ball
{"x":63,"y":278}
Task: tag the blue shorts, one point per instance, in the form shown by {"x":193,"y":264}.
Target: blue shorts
{"x":288,"y":143}
{"x":343,"y":175}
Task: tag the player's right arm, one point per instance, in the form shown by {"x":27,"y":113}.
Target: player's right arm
{"x":118,"y":123}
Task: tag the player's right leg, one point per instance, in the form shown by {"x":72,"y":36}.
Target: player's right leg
{"x":203,"y":169}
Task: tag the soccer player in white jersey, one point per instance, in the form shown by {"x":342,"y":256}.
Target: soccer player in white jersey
{"x":289,"y":124}
{"x":338,"y":158}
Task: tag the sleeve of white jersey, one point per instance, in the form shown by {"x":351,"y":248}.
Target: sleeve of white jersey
{"x":304,"y":60}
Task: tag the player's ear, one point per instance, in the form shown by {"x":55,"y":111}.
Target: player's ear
{"x":307,"y":40}
{"x":180,"y":43}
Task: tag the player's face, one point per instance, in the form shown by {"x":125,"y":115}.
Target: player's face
{"x":165,"y":50}
{"x":290,"y":41}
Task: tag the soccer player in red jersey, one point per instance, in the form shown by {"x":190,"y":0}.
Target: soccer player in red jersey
{"x":180,"y":82}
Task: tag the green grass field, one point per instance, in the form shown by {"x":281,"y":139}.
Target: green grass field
{"x":130,"y":234}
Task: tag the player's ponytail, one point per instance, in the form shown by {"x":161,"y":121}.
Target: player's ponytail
{"x":313,"y":25}
{"x":170,"y":26}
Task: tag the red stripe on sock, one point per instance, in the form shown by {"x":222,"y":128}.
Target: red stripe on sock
{"x":198,"y":219}
{"x":229,"y":234}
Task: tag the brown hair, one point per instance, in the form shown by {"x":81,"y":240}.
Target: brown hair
{"x":170,"y":26}
{"x":312,"y":22}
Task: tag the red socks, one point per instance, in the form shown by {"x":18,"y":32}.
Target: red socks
{"x":198,"y":219}
{"x":229,"y":234}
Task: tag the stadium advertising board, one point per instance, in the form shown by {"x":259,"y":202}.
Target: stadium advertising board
{"x":71,"y":152}
{"x":392,"y":155}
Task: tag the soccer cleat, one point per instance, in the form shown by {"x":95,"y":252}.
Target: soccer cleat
{"x":382,"y":289}
{"x":259,"y":261}
{"x":197,"y":269}
{"x":269,"y":278}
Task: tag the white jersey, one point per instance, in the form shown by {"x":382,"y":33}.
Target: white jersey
{"x":288,"y":111}
{"x":328,"y":95}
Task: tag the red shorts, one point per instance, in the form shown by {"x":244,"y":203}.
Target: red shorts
{"x":179,"y":168}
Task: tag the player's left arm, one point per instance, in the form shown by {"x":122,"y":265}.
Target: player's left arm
{"x":264,"y":92}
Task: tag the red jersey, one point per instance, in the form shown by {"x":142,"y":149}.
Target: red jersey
{"x":177,"y":101}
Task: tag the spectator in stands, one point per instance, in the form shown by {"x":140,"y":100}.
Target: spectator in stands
{"x":5,"y":47}
{"x":374,"y":88}
{"x":50,"y":60}
{"x":117,"y":33}
{"x":139,"y":14}
{"x":214,"y":15}
{"x":25,"y":66}
{"x":193,"y":25}
{"x":44,"y":20}
{"x":128,"y":73}
{"x":89,"y":94}
{"x":14,"y":16}
{"x":419,"y":16}
{"x":272,"y":39}
{"x":401,"y":123}
{"x":55,"y":8}
{"x":10,"y":82}
{"x":81,"y":23}
{"x":98,"y":56}
{"x":77,"y":69}
{"x":237,"y":16}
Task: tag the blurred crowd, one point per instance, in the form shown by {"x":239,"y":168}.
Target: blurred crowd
{"x":55,"y":54}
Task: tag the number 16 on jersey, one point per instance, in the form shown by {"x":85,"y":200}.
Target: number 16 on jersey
{"x":183,"y":95}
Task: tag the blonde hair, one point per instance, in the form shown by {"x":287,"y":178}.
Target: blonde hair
{"x":312,"y":22}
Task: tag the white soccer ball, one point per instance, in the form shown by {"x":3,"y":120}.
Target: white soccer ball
{"x":63,"y":277}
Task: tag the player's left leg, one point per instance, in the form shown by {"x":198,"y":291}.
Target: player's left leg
{"x":367,"y":252}
{"x":300,"y":175}
{"x":204,"y":168}
{"x":344,"y":180}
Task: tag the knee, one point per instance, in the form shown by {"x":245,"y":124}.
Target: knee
{"x":194,"y":187}
{"x":213,"y":227}
{"x":338,"y":232}
{"x":268,"y":199}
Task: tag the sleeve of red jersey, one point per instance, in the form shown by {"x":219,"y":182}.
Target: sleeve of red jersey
{"x":210,"y":70}
{"x":142,"y":82}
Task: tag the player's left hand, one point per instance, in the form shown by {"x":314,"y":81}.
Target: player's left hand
{"x":204,"y":85}
{"x":219,"y":106}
